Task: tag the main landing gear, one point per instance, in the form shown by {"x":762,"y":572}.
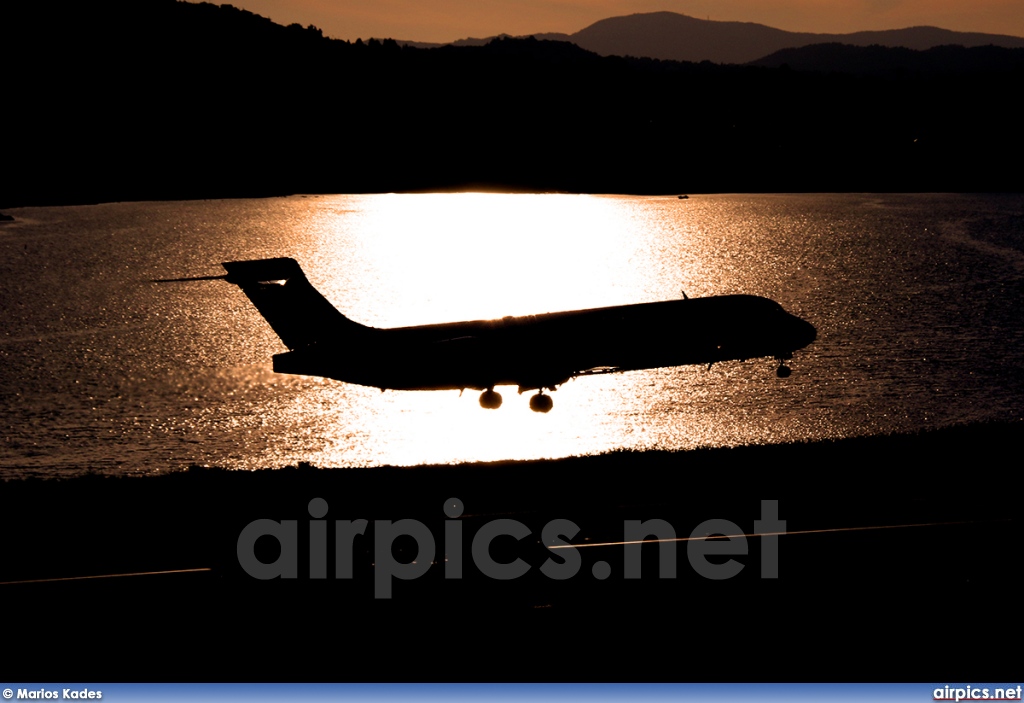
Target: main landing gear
{"x":783,"y":371}
{"x":490,"y":399}
{"x":541,"y":403}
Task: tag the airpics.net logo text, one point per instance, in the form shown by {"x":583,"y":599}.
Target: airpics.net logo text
{"x":974,"y":693}
{"x":711,"y":538}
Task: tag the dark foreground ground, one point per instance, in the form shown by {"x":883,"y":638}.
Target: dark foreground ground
{"x":930,"y":591}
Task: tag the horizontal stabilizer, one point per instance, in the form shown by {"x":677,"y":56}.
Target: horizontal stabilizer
{"x":262,"y":270}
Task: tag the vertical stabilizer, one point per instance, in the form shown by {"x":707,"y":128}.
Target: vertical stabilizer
{"x":294,"y":308}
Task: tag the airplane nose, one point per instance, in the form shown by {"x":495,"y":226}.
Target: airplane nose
{"x":802,"y":332}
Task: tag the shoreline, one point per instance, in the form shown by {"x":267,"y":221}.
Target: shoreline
{"x":960,"y":441}
{"x":510,"y":189}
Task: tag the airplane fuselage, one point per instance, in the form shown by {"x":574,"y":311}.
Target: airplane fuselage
{"x":531,"y":352}
{"x":543,"y":351}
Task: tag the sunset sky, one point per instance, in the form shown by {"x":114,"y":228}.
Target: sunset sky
{"x":448,"y":20}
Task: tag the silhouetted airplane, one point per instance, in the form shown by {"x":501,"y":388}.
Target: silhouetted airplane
{"x":533,"y":352}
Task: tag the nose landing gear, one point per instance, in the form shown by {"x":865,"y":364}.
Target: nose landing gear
{"x":783,"y":371}
{"x":490,"y":399}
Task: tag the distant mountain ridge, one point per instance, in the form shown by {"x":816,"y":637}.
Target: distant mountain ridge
{"x":675,"y":37}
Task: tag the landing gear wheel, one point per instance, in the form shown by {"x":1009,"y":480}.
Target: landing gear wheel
{"x":541,"y":403}
{"x":490,"y":399}
{"x":783,"y":371}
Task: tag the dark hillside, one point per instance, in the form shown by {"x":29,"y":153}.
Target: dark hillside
{"x":895,"y":63}
{"x":165,"y":100}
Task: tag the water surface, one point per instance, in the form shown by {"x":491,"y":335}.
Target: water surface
{"x":916,"y":298}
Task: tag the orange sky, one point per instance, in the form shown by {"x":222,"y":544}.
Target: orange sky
{"x":447,"y":20}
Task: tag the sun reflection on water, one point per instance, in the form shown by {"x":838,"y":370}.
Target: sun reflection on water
{"x":395,"y":260}
{"x":416,"y":259}
{"x":407,"y":260}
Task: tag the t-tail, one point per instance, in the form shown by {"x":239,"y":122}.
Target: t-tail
{"x":296,"y":311}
